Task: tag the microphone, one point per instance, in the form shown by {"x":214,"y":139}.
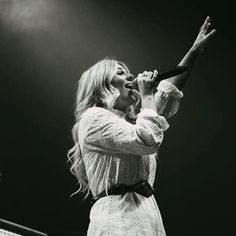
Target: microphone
{"x":173,"y":71}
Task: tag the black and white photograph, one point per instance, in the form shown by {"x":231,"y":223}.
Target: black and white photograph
{"x":117,"y":118}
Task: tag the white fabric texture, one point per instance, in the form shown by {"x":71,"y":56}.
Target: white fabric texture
{"x":117,"y":152}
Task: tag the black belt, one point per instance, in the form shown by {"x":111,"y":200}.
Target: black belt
{"x":142,"y":187}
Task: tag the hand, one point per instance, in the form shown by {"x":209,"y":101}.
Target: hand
{"x":203,"y":37}
{"x":145,"y":81}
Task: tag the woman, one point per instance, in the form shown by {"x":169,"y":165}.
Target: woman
{"x":114,"y":157}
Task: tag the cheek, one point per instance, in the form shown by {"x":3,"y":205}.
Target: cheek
{"x":117,"y":82}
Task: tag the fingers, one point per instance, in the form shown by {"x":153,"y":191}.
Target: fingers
{"x":155,"y":74}
{"x":151,"y":74}
{"x":211,"y":34}
{"x":205,"y":25}
{"x":203,"y":36}
{"x":147,"y":74}
{"x":145,"y":78}
{"x":205,"y":28}
{"x":145,"y":82}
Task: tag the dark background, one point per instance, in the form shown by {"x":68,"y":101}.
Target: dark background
{"x":45,"y":45}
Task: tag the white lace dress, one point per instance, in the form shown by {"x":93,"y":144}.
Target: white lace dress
{"x":118,"y":152}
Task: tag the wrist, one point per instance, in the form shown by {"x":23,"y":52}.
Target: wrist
{"x":148,"y":102}
{"x":147,"y":97}
{"x":190,"y":57}
{"x":195,"y":50}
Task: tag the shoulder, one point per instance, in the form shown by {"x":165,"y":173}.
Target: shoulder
{"x":95,"y":119}
{"x":94,"y":113}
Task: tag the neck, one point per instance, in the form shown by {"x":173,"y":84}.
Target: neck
{"x":120,"y":107}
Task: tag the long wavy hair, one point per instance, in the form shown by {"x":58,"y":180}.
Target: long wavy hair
{"x":94,"y":89}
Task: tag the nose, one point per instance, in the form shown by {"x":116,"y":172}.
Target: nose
{"x":130,"y":77}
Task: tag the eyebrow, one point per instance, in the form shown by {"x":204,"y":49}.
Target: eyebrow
{"x":121,"y":68}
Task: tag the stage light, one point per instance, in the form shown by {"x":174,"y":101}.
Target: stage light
{"x":26,"y":14}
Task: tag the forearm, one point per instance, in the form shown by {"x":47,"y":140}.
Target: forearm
{"x":189,"y":60}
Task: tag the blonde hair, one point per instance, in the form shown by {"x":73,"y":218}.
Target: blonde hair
{"x":94,"y":89}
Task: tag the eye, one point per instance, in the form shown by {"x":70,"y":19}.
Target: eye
{"x":120,"y":72}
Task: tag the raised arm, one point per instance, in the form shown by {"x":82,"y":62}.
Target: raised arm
{"x":189,"y":59}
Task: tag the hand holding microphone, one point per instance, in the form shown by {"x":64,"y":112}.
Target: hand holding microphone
{"x":144,"y":82}
{"x":157,"y":77}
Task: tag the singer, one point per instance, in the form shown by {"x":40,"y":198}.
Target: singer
{"x":117,"y":134}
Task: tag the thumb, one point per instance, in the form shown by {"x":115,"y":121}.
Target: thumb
{"x":211,"y":34}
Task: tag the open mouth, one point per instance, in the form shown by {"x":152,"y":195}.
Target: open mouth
{"x":129,"y":86}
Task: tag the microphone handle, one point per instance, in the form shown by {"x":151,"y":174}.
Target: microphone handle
{"x":173,"y":71}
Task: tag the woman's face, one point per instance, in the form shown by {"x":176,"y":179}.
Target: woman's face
{"x":122,"y":80}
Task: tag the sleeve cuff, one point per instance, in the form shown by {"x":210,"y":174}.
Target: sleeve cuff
{"x":167,"y":87}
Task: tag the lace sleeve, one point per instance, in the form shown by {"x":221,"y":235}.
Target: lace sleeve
{"x":167,"y":99}
{"x":108,"y":132}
